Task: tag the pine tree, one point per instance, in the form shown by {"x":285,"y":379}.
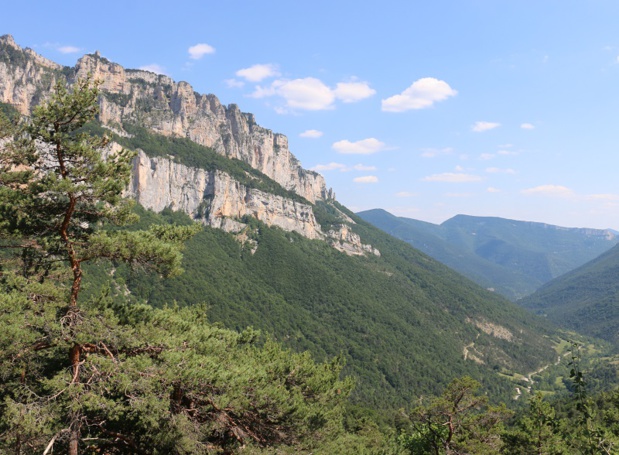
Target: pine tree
{"x":57,"y":188}
{"x":101,"y":375}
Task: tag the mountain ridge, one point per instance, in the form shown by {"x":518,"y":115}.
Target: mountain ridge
{"x":387,"y":308}
{"x":585,"y":299}
{"x":513,"y":257}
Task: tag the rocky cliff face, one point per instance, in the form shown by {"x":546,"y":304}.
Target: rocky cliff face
{"x":163,"y":106}
{"x":215,"y":198}
{"x":174,"y":109}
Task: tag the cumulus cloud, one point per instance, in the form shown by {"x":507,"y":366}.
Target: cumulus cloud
{"x":527,"y":126}
{"x":308,"y":93}
{"x":362,"y":147}
{"x":452,"y":177}
{"x":200,"y":50}
{"x":434,"y":152}
{"x":423,"y":93}
{"x":153,"y":68}
{"x":312,"y":94}
{"x":480,"y":127}
{"x":496,"y":170}
{"x":350,"y":92}
{"x":486,"y":156}
{"x":68,"y":49}
{"x":491,"y":189}
{"x":404,"y":194}
{"x":342,"y":167}
{"x":506,"y":152}
{"x":366,"y":179}
{"x":549,"y":190}
{"x":259,"y":72}
{"x":330,"y":167}
{"x":312,"y":134}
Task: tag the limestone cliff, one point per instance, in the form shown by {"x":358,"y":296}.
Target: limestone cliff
{"x":163,"y":106}
{"x":218,"y":200}
{"x":174,"y":109}
{"x":213,"y":197}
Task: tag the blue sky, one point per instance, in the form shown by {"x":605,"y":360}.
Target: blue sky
{"x":427,"y":109}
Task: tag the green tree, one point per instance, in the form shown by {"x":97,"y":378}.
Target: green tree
{"x":458,"y":422}
{"x":538,"y":431}
{"x":100,"y":375}
{"x":58,"y":186}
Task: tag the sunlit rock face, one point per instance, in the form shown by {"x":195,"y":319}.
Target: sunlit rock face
{"x":174,"y":109}
{"x":213,"y":196}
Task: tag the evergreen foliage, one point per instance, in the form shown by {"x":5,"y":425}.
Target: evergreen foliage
{"x":585,"y":299}
{"x":390,"y":317}
{"x":99,"y":375}
{"x":512,"y":257}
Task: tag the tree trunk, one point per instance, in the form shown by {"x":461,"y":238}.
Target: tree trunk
{"x":74,"y":438}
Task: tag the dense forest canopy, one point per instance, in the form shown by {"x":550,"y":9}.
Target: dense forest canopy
{"x":98,"y":371}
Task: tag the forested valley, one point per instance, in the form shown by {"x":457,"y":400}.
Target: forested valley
{"x":125,"y":331}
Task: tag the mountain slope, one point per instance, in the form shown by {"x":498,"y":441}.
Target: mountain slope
{"x":586,"y":299}
{"x":512,"y":257}
{"x":278,"y":252}
{"x":402,"y":321}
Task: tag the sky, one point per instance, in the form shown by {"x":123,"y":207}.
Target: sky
{"x":426,"y":109}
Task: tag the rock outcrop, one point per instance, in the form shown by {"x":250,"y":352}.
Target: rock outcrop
{"x":163,"y":106}
{"x":174,"y":109}
{"x":215,"y":198}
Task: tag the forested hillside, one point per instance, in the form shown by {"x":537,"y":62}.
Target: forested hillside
{"x":512,"y":257}
{"x":586,"y":299}
{"x":287,"y":326}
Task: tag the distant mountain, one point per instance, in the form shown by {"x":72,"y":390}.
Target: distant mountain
{"x":514,"y":258}
{"x":585,"y":299}
{"x":277,"y":251}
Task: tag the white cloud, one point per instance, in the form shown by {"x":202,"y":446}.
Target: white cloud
{"x":312,"y":134}
{"x":312,"y":94}
{"x":405,"y":194}
{"x":308,"y":93}
{"x":486,"y":156}
{"x":451,"y":177}
{"x":549,"y":190}
{"x":366,"y":179}
{"x":433,"y":152}
{"x":256,"y":73}
{"x":234,"y":83}
{"x":362,"y":147}
{"x":496,"y":170}
{"x":527,"y":126}
{"x":342,"y":167}
{"x":350,"y":92}
{"x":68,"y":49}
{"x":480,"y":127}
{"x":330,"y":167}
{"x":491,"y":189}
{"x":200,"y":50}
{"x":421,"y":94}
{"x":506,"y":152}
{"x":153,"y":68}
